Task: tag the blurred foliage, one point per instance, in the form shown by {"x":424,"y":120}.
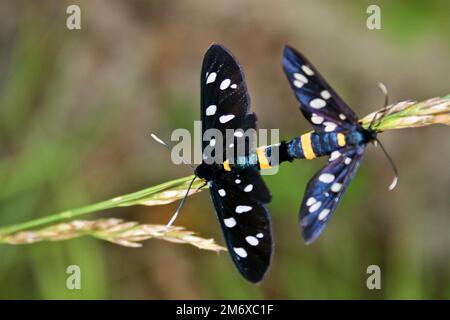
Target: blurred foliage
{"x":76,"y":109}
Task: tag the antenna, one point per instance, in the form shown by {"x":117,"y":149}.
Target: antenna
{"x":384,"y":90}
{"x":169,"y":147}
{"x":395,"y":180}
{"x":160,"y":141}
{"x":181,"y":204}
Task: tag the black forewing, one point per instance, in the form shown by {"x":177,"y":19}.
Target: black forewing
{"x":324,"y":194}
{"x":225,"y":101}
{"x":319,"y":103}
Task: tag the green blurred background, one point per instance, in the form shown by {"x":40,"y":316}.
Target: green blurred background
{"x":77,"y":107}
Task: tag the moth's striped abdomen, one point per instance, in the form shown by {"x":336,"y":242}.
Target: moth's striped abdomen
{"x":312,"y":145}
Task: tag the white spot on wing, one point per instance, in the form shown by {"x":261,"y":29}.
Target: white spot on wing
{"x":248,"y":188}
{"x":334,"y":155}
{"x":325,"y":94}
{"x":298,"y":84}
{"x":326,"y":177}
{"x":307,"y":70}
{"x":237,"y":181}
{"x":211,"y":78}
{"x":240,"y":252}
{"x":230,"y":222}
{"x":222,"y":192}
{"x":211,"y":110}
{"x":342,"y":116}
{"x":336,"y":187}
{"x":226,"y":118}
{"x":234,"y":86}
{"x":347,"y":160}
{"x":317,"y":103}
{"x":252,"y":240}
{"x":299,"y":80}
{"x":310,"y":201}
{"x":238,"y":134}
{"x":242,"y":209}
{"x":316,"y":119}
{"x":323,"y":214}
{"x":259,"y":235}
{"x":300,"y":77}
{"x":225,"y":84}
{"x":329,"y":126}
{"x":315,"y":206}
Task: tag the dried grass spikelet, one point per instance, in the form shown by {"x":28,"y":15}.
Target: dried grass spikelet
{"x":411,"y":114}
{"x":160,"y":194}
{"x":118,"y":231}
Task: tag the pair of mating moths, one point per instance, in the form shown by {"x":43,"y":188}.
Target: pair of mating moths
{"x":237,"y":190}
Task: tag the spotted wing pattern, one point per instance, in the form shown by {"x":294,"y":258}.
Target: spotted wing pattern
{"x":326,"y":189}
{"x":225,"y":102}
{"x":240,"y":202}
{"x":240,"y":195}
{"x":319,"y":103}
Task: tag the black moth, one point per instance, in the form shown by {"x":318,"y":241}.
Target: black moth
{"x":238,"y":192}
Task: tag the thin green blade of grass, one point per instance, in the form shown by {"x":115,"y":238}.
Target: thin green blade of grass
{"x":163,"y":193}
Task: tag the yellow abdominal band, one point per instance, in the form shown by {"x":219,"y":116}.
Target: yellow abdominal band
{"x":341,"y":139}
{"x":308,"y":151}
{"x":262,"y":159}
{"x":226,"y":165}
